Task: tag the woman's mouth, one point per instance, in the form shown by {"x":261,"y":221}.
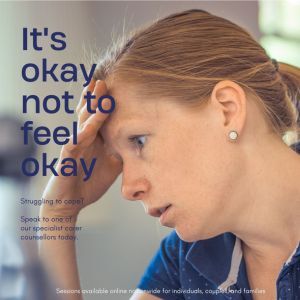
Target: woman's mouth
{"x":164,"y":214}
{"x":163,"y":209}
{"x":158,"y":212}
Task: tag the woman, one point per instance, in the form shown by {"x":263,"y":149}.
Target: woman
{"x":201,"y":112}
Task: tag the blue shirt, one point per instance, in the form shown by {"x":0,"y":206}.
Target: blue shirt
{"x":211,"y":269}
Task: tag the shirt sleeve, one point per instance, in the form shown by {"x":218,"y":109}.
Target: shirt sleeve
{"x":161,"y":277}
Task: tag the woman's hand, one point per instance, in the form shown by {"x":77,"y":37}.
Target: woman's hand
{"x":90,"y":145}
{"x":58,"y":253}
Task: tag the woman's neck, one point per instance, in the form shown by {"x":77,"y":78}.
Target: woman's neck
{"x":269,"y":222}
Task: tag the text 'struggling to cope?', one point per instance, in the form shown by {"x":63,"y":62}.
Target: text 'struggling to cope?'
{"x":44,"y":72}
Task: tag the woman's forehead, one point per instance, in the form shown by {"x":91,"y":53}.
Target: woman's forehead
{"x":130,"y":111}
{"x":130,"y":100}
{"x":132,"y":107}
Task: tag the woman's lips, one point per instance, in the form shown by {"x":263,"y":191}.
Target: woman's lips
{"x":163,"y":209}
{"x":157,"y":212}
{"x":163,"y":216}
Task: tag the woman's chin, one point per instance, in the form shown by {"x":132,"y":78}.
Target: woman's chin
{"x":187,"y":235}
{"x":191,"y":235}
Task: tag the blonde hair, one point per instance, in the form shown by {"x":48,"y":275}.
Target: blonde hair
{"x":185,"y":54}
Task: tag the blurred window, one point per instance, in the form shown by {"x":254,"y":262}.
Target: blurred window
{"x":279,"y":22}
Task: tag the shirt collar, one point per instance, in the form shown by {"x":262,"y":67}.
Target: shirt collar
{"x":294,"y":257}
{"x":218,"y":259}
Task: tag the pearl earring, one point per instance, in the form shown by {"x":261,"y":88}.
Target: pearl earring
{"x":233,"y":135}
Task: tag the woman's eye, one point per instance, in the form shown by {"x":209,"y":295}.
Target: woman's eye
{"x":139,"y":141}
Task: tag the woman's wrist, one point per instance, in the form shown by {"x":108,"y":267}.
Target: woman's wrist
{"x":59,"y":212}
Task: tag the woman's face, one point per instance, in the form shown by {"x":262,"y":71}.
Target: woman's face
{"x":173,"y":155}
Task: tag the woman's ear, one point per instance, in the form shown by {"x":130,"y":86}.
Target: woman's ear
{"x":230,"y":101}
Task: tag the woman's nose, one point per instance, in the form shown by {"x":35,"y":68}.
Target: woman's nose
{"x":134,"y":189}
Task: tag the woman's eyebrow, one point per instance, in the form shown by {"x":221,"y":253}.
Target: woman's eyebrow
{"x":120,"y":131}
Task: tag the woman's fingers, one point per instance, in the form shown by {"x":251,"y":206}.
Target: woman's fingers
{"x":99,"y":90}
{"x":88,"y":132}
{"x":90,"y":123}
{"x":89,"y":88}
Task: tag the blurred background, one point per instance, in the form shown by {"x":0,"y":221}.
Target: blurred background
{"x":118,"y":238}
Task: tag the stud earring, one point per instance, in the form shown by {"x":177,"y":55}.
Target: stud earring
{"x":233,"y":135}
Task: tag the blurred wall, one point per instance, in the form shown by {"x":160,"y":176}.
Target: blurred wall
{"x":118,"y":239}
